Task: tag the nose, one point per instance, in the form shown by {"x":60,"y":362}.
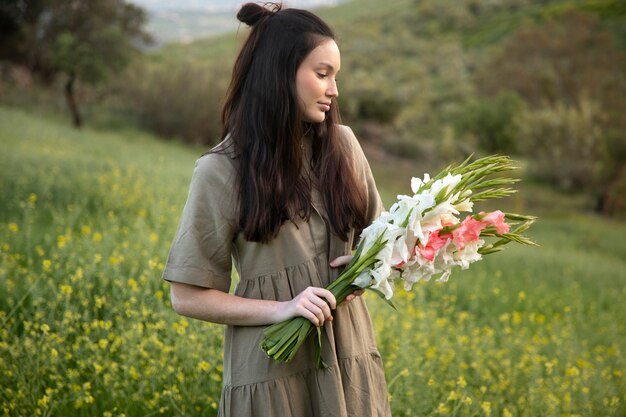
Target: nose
{"x":332,"y":90}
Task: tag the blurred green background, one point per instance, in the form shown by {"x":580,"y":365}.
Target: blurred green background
{"x":87,"y":215}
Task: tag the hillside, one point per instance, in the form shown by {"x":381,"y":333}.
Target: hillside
{"x":409,"y":65}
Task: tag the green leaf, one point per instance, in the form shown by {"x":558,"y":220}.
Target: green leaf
{"x":381,"y":295}
{"x":319,"y":361}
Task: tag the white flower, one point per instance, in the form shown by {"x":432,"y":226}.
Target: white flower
{"x":416,"y":273}
{"x":381,"y":274}
{"x":370,"y":234}
{"x":465,"y":205}
{"x":416,"y":183}
{"x":391,"y":233}
{"x":432,"y":221}
{"x":469,"y":254}
{"x":392,"y":252}
{"x":379,"y":278}
{"x":449,"y":181}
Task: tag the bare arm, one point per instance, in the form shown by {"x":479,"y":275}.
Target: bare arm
{"x":217,"y":306}
{"x":314,"y":304}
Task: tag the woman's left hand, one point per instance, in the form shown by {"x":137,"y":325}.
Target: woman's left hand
{"x":341,"y":261}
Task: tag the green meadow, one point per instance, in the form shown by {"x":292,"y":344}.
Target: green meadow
{"x":87,"y":329}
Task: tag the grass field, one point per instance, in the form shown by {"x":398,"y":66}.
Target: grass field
{"x":86,"y":327}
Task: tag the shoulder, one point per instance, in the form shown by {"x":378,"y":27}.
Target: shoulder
{"x":349,"y":140}
{"x":346,"y":133}
{"x":212,"y":185}
{"x":216,"y":166}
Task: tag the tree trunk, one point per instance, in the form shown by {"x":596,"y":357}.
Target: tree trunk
{"x":71,"y":101}
{"x":605,"y":202}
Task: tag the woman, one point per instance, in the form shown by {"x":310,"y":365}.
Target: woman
{"x":282,"y":197}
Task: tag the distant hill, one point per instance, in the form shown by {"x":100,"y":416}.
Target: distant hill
{"x":188,"y":20}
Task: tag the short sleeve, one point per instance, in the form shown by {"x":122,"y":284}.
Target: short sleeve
{"x":201,"y":250}
{"x":374,"y":202}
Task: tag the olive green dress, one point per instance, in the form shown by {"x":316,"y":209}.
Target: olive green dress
{"x":208,"y":242}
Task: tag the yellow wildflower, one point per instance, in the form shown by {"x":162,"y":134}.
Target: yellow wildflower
{"x":572,"y":371}
{"x":453,"y":396}
{"x":443,"y":409}
{"x":204,"y":366}
{"x":132,"y":284}
{"x":66,"y":289}
{"x":100,"y":301}
{"x":486,"y":407}
{"x":133,"y":373}
{"x":43,"y":401}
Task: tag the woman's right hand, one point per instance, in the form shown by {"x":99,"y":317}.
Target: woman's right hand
{"x":314,"y":304}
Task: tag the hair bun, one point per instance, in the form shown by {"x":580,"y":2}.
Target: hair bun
{"x":251,"y":13}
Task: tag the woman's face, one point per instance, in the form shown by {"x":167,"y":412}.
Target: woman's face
{"x":316,"y":82}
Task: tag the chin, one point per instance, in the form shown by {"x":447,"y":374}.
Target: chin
{"x":317,"y":118}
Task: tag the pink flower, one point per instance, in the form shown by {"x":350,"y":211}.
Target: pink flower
{"x":496,"y":219}
{"x":435,"y":242}
{"x":468,"y":231}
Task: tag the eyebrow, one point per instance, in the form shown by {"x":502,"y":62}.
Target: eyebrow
{"x":326,"y":64}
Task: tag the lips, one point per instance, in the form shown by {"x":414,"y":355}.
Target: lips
{"x":325,"y":106}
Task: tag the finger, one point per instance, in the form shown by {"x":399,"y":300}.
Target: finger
{"x":324,"y":293}
{"x":342,"y":260}
{"x":316,"y":311}
{"x":349,"y":298}
{"x":308,"y":314}
{"x":323,"y":305}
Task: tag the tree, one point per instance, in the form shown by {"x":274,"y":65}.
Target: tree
{"x":570,"y":73}
{"x":564,"y":60}
{"x":82,"y":40}
{"x":492,"y":121}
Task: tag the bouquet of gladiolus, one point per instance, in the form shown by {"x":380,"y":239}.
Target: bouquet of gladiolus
{"x":421,"y":236}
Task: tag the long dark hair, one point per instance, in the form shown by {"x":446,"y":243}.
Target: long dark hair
{"x":262,"y":116}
